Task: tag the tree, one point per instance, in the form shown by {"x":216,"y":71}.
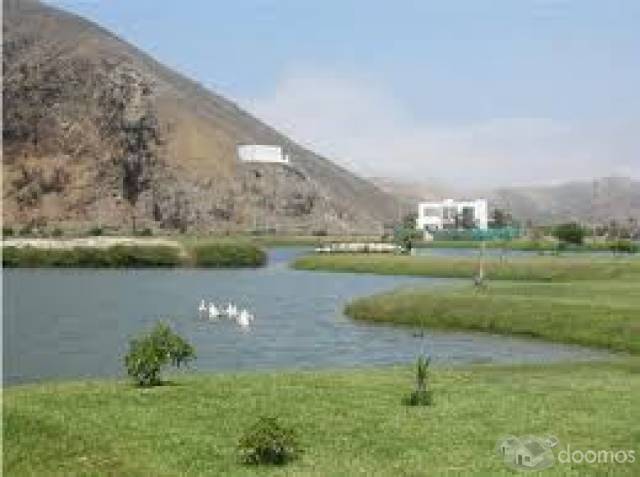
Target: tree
{"x":409,"y":220}
{"x":149,"y":354}
{"x":501,"y":218}
{"x":570,"y":233}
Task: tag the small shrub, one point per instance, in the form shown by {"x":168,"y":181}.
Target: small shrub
{"x":57,"y":232}
{"x":269,"y":442}
{"x":7,"y":231}
{"x":26,"y":230}
{"x":146,"y":232}
{"x":570,"y":233}
{"x":623,"y":246}
{"x":149,"y":354}
{"x":421,"y":396}
{"x":95,"y":231}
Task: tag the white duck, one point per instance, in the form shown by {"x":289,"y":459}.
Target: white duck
{"x":244,"y":318}
{"x":213,"y":311}
{"x":202,"y":309}
{"x":232,"y":310}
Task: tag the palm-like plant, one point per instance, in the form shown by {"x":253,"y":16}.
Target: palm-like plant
{"x":421,"y":396}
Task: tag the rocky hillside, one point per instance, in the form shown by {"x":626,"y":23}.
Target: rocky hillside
{"x":97,"y":132}
{"x":596,"y":202}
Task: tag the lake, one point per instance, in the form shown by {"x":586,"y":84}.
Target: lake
{"x":76,"y":323}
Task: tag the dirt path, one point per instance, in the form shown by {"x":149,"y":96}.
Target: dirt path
{"x":97,"y":242}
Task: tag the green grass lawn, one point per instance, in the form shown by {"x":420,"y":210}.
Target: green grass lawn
{"x":520,"y":268}
{"x":350,"y":422}
{"x":603,"y":314}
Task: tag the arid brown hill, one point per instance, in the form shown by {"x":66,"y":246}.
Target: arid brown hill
{"x":98,"y":133}
{"x":598,"y":202}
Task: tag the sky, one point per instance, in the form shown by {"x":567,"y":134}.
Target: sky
{"x":472,"y":93}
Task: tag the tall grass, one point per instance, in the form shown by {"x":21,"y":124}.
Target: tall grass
{"x":118,"y":256}
{"x":124,"y":256}
{"x":533,"y":268}
{"x":227,"y":255}
{"x":625,"y":246}
{"x":603,"y":314}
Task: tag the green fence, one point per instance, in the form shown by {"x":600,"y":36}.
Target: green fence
{"x":504,"y":233}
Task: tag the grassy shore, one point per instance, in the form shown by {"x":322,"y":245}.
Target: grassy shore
{"x":227,"y":255}
{"x":282,"y":240}
{"x":520,"y":268}
{"x":209,"y":255}
{"x":601,"y":314}
{"x":349,"y":422}
{"x":533,"y":245}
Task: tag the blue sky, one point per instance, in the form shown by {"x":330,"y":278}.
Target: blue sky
{"x":501,"y":92}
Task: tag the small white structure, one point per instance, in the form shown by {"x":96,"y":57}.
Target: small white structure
{"x":262,"y":153}
{"x":452,"y":215}
{"x":358,"y":247}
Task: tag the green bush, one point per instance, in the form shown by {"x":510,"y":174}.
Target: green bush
{"x":149,"y":354}
{"x":269,"y":442}
{"x":146,"y":232}
{"x":421,"y":396}
{"x":57,"y":232}
{"x":623,"y":246}
{"x":95,"y":231}
{"x":570,"y":233}
{"x":228,"y":255}
{"x":7,"y":231}
{"x":26,"y":230}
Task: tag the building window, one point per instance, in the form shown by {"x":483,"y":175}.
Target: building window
{"x":431,"y":212}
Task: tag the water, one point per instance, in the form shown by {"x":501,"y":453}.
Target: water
{"x":76,"y":323}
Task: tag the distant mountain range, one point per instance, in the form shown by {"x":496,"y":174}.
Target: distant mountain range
{"x":595,"y":202}
{"x":98,"y":133}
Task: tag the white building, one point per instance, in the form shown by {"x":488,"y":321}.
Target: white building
{"x":262,"y":153}
{"x":452,"y":215}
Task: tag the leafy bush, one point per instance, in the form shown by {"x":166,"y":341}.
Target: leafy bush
{"x":623,"y":246}
{"x":26,"y":230}
{"x":149,"y":354}
{"x":570,"y":233}
{"x":57,"y":232}
{"x":269,"y":442}
{"x":228,"y":255}
{"x":421,"y":396}
{"x":146,"y":232}
{"x":7,"y":231}
{"x":95,"y":231}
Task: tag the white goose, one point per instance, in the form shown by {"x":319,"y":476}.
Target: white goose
{"x":244,"y":318}
{"x":202,"y":309}
{"x":213,"y":311}
{"x":232,"y":311}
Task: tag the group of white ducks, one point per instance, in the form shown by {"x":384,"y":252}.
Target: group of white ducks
{"x":211,"y":311}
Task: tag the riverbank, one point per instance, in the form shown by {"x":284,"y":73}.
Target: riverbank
{"x":620,"y":246}
{"x":349,"y":422}
{"x":600,"y":314}
{"x":519,"y":268}
{"x":124,"y":252}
